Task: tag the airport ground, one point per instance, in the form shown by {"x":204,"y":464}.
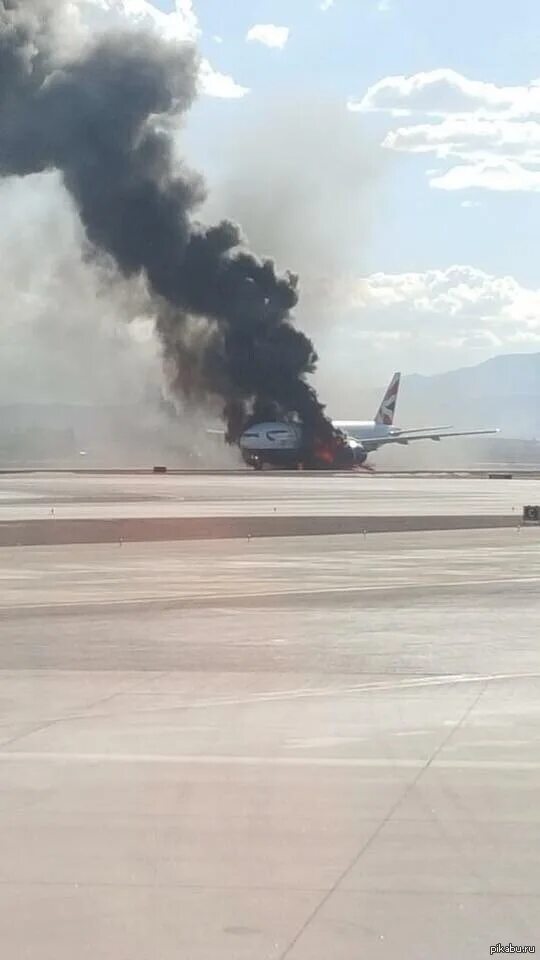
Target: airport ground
{"x":263,"y":744}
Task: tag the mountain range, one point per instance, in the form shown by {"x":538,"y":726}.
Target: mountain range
{"x":502,"y":392}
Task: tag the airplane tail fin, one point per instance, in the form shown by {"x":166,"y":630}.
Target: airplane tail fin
{"x":385,"y":413}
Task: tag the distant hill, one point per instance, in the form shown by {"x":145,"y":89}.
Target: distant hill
{"x":502,"y":392}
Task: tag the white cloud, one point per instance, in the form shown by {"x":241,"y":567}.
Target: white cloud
{"x":428,"y":321}
{"x":493,"y":131}
{"x":460,"y":301}
{"x":441,"y":92}
{"x":419,"y":318}
{"x":470,"y":137}
{"x":326,"y":5}
{"x":269,"y":35}
{"x":221,"y":85}
{"x":502,"y":177}
{"x":494,"y":154}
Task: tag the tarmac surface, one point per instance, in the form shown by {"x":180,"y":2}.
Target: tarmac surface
{"x":289,"y":747}
{"x":80,"y":496}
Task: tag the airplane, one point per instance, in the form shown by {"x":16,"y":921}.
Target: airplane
{"x":283,"y":444}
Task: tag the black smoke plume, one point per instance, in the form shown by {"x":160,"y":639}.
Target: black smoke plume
{"x":223,"y":315}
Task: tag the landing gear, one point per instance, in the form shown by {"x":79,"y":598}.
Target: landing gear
{"x":253,"y":461}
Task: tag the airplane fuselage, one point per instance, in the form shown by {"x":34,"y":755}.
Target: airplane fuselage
{"x":282,"y":444}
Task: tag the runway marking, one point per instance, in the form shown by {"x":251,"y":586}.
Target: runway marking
{"x":273,"y":696}
{"x":260,"y":761}
{"x":289,"y":695}
{"x":229,"y":598}
{"x":308,"y":743}
{"x":301,"y":693}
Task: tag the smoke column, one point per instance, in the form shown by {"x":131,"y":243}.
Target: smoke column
{"x":223,"y":315}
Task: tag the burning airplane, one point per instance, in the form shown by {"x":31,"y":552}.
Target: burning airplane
{"x":287,"y":444}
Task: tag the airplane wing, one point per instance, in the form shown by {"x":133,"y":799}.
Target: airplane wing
{"x":349,"y":426}
{"x":407,"y":436}
{"x":397,"y":431}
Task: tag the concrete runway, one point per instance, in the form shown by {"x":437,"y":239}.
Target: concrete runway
{"x":85,"y":508}
{"x":296,"y":747}
{"x":34,"y":496}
